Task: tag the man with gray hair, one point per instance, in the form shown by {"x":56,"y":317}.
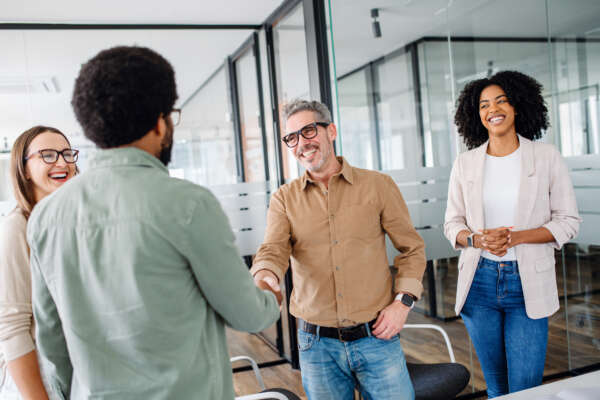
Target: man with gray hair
{"x":332,"y":222}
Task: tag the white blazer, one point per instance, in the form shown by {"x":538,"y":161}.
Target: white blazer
{"x":546,"y":198}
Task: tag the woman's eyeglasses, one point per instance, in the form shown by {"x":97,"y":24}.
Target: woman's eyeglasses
{"x":50,"y":156}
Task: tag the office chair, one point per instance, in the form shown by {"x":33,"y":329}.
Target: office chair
{"x":265,"y":394}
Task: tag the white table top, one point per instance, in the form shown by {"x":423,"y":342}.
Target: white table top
{"x":582,"y":387}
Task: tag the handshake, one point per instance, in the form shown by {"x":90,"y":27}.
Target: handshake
{"x":266,"y":280}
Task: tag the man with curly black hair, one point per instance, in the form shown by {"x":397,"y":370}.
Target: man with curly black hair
{"x":510,"y":205}
{"x":135,"y":274}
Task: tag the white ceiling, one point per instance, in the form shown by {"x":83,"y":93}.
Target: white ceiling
{"x":139,"y":11}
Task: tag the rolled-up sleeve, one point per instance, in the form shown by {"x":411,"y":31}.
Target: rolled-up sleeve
{"x":565,"y":220}
{"x":276,"y":249}
{"x":397,"y":223}
{"x":455,"y":218}
{"x":16,"y":315}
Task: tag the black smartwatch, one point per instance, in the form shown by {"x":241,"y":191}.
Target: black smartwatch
{"x":406,"y":299}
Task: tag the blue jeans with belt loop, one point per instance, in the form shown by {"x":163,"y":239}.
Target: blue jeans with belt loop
{"x":331,"y":369}
{"x":511,"y":346}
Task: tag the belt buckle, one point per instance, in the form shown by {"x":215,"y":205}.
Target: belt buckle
{"x":349,"y":330}
{"x":340,"y":334}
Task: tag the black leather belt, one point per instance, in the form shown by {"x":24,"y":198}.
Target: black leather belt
{"x":346,"y":334}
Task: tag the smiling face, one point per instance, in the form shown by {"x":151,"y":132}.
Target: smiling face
{"x":46,"y":178}
{"x":496,"y":113}
{"x":316,"y":153}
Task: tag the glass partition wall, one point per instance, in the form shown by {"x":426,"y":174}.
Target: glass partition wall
{"x":396,"y":96}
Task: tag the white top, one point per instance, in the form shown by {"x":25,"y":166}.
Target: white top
{"x":16,"y":315}
{"x":501,"y":179}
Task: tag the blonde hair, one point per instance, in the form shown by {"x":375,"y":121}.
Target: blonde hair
{"x":23,"y":187}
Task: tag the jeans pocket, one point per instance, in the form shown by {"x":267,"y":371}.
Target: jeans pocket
{"x":390,"y":340}
{"x":305,"y":340}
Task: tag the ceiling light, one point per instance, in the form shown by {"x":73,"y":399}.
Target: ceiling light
{"x":375,"y":24}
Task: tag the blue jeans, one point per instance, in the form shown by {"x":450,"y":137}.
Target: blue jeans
{"x":511,"y":346}
{"x":332,"y":369}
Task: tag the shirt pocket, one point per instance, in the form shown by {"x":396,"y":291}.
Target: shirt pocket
{"x":361,"y":221}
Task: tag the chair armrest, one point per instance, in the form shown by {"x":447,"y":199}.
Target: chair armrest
{"x":257,"y":373}
{"x":439,"y":329}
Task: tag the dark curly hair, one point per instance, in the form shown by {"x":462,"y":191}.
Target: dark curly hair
{"x":524,"y":94}
{"x":120,"y":94}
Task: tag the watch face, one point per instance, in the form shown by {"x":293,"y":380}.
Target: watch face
{"x":470,"y":241}
{"x":407,"y":300}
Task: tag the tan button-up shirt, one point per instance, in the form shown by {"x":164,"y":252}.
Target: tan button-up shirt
{"x":336,"y":240}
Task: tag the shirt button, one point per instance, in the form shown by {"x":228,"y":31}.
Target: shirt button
{"x":337,"y":267}
{"x":339,"y":295}
{"x":335,"y":242}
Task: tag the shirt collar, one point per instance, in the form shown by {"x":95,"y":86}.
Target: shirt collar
{"x":125,"y":156}
{"x":346,"y":172}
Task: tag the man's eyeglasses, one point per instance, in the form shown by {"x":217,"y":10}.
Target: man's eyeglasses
{"x":176,"y":116}
{"x":308,"y":132}
{"x":50,"y":156}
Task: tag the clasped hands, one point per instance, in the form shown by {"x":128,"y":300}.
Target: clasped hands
{"x":496,"y":241}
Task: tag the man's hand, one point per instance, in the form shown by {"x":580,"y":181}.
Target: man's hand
{"x":266,"y":280}
{"x":391,"y":320}
{"x":496,"y":240}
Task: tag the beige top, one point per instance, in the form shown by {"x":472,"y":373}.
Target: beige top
{"x":16,"y":315}
{"x":336,"y":241}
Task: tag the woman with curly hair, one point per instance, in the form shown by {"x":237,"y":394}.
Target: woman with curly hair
{"x":510,"y":205}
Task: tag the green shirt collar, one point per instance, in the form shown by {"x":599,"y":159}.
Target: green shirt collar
{"x":125,"y":156}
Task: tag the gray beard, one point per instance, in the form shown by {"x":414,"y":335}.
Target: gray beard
{"x":324,"y":157}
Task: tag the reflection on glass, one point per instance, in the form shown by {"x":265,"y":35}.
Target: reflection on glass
{"x":291,"y":63}
{"x":356,"y":129}
{"x":204,"y":149}
{"x":399,"y":135}
{"x":252,"y":145}
{"x":436,"y":85}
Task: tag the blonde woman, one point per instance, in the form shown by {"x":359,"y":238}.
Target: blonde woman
{"x":41,"y":161}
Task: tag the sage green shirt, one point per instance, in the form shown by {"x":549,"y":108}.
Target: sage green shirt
{"x":135,"y":275}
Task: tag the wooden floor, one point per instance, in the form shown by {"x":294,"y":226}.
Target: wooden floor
{"x":574,"y":336}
